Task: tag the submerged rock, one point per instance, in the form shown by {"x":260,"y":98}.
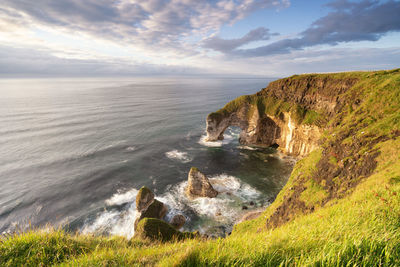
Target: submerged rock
{"x":199,"y":185}
{"x":178,"y":221}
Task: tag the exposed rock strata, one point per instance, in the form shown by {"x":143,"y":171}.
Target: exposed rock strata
{"x":316,"y":94}
{"x":198,"y":185}
{"x":292,"y":138}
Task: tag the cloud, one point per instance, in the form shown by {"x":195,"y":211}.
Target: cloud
{"x":313,"y":60}
{"x":227,"y":45}
{"x":21,"y":62}
{"x":151,"y":24}
{"x":348,"y":22}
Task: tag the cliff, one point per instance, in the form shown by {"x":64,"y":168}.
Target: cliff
{"x":290,"y":113}
{"x":340,"y":207}
{"x":336,"y":117}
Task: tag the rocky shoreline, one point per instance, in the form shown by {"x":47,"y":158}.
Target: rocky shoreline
{"x":152,"y":211}
{"x":290,"y":115}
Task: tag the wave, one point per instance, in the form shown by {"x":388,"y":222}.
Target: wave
{"x":224,"y":209}
{"x":200,"y":213}
{"x":229,"y":135}
{"x":122,"y":198}
{"x":178,"y":155}
{"x":113,"y":222}
{"x":227,"y":139}
{"x":247,"y":148}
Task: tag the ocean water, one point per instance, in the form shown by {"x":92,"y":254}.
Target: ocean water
{"x":74,"y":152}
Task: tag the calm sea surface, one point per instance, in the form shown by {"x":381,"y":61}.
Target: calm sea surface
{"x":74,"y":152}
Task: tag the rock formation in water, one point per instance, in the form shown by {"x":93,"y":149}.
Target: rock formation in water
{"x":199,"y":185}
{"x":290,"y":113}
{"x":148,"y":207}
{"x":178,"y":221}
{"x":144,"y":198}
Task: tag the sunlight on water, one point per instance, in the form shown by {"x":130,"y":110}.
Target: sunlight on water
{"x":76,"y":151}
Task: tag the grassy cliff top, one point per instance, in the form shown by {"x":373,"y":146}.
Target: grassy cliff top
{"x":307,"y":97}
{"x":340,"y":207}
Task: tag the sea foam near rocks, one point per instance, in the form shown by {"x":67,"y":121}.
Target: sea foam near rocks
{"x":113,"y":222}
{"x":121,"y":198}
{"x":179,"y":155}
{"x":224,"y":209}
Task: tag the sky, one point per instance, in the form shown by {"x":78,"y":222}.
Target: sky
{"x":235,"y":38}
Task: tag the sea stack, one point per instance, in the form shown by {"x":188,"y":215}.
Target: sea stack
{"x":148,"y":207}
{"x":199,"y":185}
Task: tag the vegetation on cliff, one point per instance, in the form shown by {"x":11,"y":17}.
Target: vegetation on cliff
{"x":270,"y":106}
{"x":340,"y":207}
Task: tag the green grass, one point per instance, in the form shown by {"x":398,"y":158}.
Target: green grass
{"x":360,"y":229}
{"x":271,"y":107}
{"x":314,"y":193}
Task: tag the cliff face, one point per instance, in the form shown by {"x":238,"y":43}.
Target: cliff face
{"x":344,"y":119}
{"x":290,"y":113}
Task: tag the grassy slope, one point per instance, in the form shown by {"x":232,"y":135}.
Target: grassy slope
{"x":360,"y":228}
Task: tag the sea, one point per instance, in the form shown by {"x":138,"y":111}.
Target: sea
{"x":74,"y":153}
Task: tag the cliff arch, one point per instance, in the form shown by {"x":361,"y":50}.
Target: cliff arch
{"x":255,"y":130}
{"x":265,"y":131}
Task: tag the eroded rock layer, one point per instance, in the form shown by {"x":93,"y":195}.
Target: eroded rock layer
{"x":290,"y":113}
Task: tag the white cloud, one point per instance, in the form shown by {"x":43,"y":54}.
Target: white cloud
{"x":134,"y":37}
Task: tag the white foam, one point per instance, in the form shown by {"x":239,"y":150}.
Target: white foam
{"x":203,"y":141}
{"x":227,"y":139}
{"x":179,"y":155}
{"x":114,"y":223}
{"x":131,"y":148}
{"x":121,"y":198}
{"x":113,"y":144}
{"x":226,"y":207}
{"x":247,"y":148}
{"x":229,"y":184}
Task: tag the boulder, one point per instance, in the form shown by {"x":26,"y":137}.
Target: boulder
{"x":156,"y":210}
{"x":155,"y":229}
{"x":144,"y":198}
{"x":198,"y":185}
{"x":148,"y":207}
{"x":178,"y":221}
